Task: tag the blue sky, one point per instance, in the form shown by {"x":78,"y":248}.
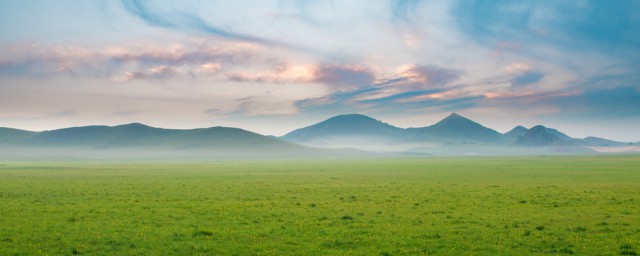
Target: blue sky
{"x":273,"y":66}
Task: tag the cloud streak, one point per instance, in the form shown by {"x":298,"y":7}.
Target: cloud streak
{"x":133,"y":62}
{"x":429,"y":76}
{"x":403,"y":9}
{"x":187,"y":22}
{"x":528,"y":78}
{"x":142,"y":11}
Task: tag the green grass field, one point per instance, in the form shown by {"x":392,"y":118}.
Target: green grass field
{"x":431,"y":206}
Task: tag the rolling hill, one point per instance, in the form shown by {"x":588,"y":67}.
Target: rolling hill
{"x":353,"y":130}
{"x":359,"y":131}
{"x":137,"y":135}
{"x":343,"y":135}
{"x":10,"y":135}
{"x":540,"y":136}
{"x":516,"y":132}
{"x":137,"y":140}
{"x":456,"y":129}
{"x":600,"y":142}
{"x":452,"y":135}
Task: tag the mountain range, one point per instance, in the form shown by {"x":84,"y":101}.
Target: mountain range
{"x":351,"y":135}
{"x":452,"y":132}
{"x":137,"y":140}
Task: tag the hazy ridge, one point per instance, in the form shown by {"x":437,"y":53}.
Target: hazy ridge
{"x":453,"y":135}
{"x":343,"y":135}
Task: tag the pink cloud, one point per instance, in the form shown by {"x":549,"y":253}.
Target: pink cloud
{"x":134,"y":62}
{"x":337,"y":76}
{"x":422,"y":77}
{"x":344,"y":76}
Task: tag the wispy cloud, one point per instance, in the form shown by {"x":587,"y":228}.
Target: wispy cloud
{"x":155,"y":73}
{"x":527,"y":78}
{"x":279,"y":73}
{"x":66,"y":113}
{"x":403,"y":9}
{"x":125,"y":113}
{"x":343,"y":76}
{"x":408,"y":87}
{"x":585,"y":25}
{"x":182,"y":54}
{"x":35,"y":61}
{"x":182,"y":21}
{"x":126,"y":63}
{"x":339,"y":77}
{"x":429,"y":76}
{"x":622,"y":101}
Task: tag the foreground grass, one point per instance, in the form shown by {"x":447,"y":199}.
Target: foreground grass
{"x":439,"y":206}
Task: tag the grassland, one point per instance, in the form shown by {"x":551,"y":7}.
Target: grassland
{"x":432,"y":206}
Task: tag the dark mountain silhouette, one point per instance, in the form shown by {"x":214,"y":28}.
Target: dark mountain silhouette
{"x":455,"y":132}
{"x":357,"y":130}
{"x":141,"y":139}
{"x":559,"y":134}
{"x":345,"y":134}
{"x":540,"y":136}
{"x":457,"y":129}
{"x":519,"y":131}
{"x":134,"y":134}
{"x":345,"y":131}
{"x":600,"y":142}
{"x":9,"y":135}
{"x":516,"y":132}
{"x":139,"y":135}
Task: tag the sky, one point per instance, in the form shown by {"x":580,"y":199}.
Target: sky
{"x":274,"y":66}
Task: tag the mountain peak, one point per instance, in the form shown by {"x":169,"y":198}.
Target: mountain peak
{"x":518,"y":129}
{"x":454,"y":115}
{"x":459,"y":129}
{"x":133,"y":125}
{"x":538,"y":127}
{"x":338,"y":128}
{"x":540,"y":136}
{"x":353,"y":120}
{"x":350,"y":117}
{"x":516,"y":132}
{"x":455,"y":120}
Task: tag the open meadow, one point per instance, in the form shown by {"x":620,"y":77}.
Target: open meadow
{"x":584,"y":205}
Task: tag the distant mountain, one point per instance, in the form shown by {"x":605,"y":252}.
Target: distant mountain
{"x":363,"y":132}
{"x":519,"y":131}
{"x":350,"y":135}
{"x":452,"y":135}
{"x":138,"y":139}
{"x":134,"y":134}
{"x":9,"y":135}
{"x":351,"y":130}
{"x":540,"y":136}
{"x":559,"y":134}
{"x":600,"y":142}
{"x":516,"y":132}
{"x":457,"y":129}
